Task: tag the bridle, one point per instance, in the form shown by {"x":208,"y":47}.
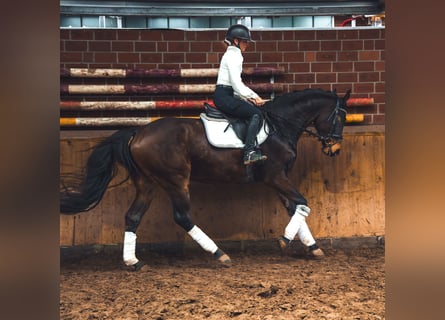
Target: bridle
{"x":328,"y":141}
{"x":332,"y":137}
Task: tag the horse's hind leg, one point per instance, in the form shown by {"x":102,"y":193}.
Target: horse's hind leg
{"x":133,"y":217}
{"x":180,"y":198}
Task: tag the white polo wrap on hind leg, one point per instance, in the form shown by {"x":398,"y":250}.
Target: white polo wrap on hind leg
{"x":202,"y":239}
{"x":130,"y":248}
{"x":299,"y":217}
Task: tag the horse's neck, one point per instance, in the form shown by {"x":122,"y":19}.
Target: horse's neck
{"x":289,"y":127}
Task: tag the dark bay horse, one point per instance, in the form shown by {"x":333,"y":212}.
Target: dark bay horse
{"x":172,"y":151}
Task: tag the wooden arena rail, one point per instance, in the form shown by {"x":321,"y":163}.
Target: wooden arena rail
{"x":116,"y":113}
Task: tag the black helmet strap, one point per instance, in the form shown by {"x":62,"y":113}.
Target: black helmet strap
{"x":237,"y":45}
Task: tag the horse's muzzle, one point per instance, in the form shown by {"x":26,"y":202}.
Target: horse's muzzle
{"x":331,"y":148}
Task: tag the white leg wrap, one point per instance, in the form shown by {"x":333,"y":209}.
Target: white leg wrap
{"x":130,"y":248}
{"x":301,"y":212}
{"x":203,"y":240}
{"x":305,"y":235}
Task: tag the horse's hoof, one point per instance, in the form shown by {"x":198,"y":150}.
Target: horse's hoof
{"x":222,"y":257}
{"x":225,"y":260}
{"x":284,"y":246}
{"x":316,"y":254}
{"x":138,"y":266}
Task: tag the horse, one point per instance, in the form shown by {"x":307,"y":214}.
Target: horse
{"x":171,"y":152}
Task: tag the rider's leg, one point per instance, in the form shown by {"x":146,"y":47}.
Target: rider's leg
{"x":227,"y":103}
{"x":250,"y":154}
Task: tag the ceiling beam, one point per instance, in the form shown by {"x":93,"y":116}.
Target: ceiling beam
{"x":220,"y":8}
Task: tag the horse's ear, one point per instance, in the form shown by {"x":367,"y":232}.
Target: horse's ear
{"x":347,"y":95}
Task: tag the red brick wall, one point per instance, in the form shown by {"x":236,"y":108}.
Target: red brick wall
{"x":329,"y":59}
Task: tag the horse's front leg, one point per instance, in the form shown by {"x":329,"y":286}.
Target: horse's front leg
{"x":296,"y":206}
{"x":298,"y":227}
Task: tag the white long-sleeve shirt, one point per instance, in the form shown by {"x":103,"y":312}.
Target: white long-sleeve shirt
{"x":230,"y":70}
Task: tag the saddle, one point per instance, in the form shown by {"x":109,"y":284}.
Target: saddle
{"x":239,"y":126}
{"x":224,"y":131}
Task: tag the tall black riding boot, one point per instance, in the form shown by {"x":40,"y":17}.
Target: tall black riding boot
{"x":250,"y":154}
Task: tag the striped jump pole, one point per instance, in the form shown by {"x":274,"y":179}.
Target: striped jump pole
{"x":140,"y":121}
{"x":356,"y":102}
{"x":101,"y":122}
{"x":160,"y":105}
{"x":157,"y":88}
{"x":164,"y":73}
{"x":132,"y":105}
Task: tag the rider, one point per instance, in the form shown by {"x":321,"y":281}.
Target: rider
{"x":233,"y":97}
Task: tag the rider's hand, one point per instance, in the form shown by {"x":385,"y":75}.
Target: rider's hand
{"x":258,"y":101}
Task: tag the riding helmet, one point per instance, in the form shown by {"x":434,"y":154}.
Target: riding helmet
{"x":238,"y":31}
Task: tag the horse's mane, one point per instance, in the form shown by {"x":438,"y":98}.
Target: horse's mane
{"x":280,"y":113}
{"x":301,"y":95}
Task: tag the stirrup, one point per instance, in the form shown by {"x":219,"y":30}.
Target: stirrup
{"x":253,"y":156}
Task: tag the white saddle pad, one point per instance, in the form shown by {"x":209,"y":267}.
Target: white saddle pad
{"x":218,"y":136}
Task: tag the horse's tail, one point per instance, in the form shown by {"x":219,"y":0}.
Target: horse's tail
{"x":85,"y":192}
